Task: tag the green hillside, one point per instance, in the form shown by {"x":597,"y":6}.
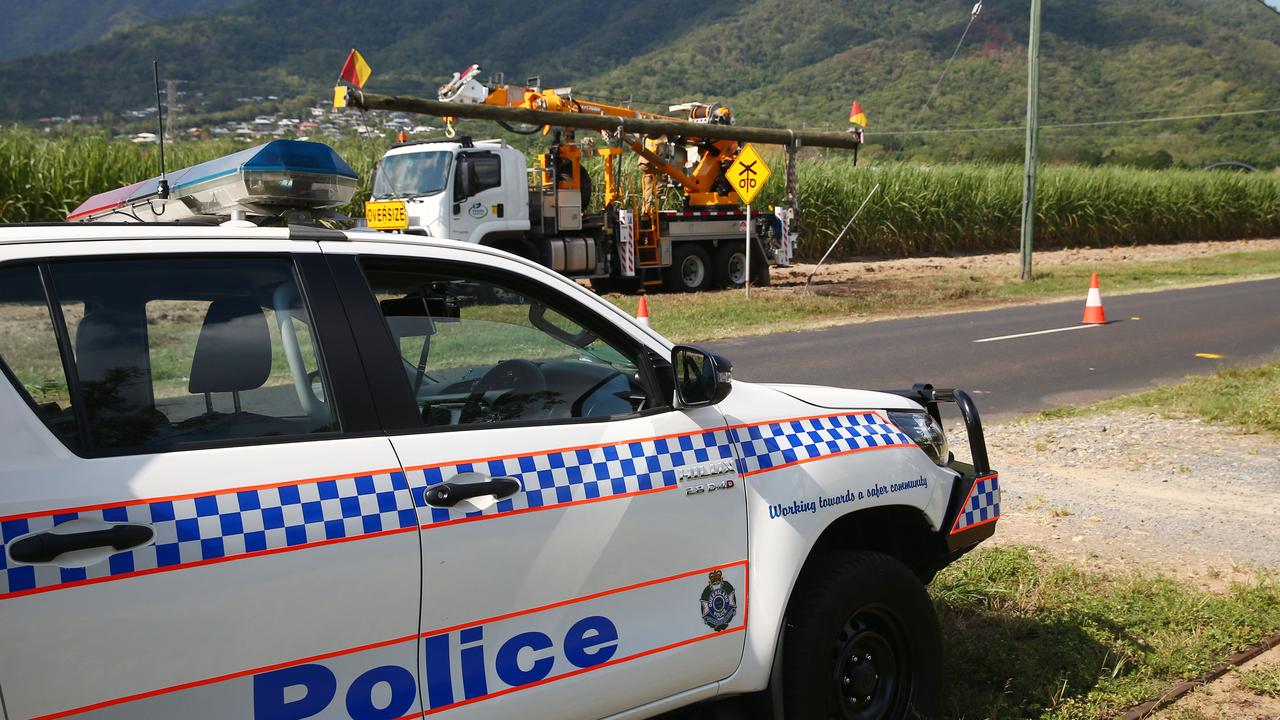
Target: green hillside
{"x":775,"y":61}
{"x":35,"y":28}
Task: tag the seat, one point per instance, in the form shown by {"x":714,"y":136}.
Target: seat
{"x":115,"y":377}
{"x":233,"y":353}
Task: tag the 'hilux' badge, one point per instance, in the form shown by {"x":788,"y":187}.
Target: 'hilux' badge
{"x":693,"y":472}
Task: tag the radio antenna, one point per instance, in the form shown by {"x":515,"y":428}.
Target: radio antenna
{"x":162,"y":189}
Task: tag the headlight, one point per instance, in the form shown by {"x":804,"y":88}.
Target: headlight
{"x":925,"y":432}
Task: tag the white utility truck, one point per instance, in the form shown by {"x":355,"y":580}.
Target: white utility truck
{"x":487,"y":193}
{"x":681,"y":226}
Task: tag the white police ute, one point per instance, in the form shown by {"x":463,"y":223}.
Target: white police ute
{"x":292,"y":472}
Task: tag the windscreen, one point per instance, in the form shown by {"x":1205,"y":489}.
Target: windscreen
{"x":412,"y":174}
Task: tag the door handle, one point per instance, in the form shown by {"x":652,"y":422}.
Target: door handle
{"x":449,"y":494}
{"x":47,"y":546}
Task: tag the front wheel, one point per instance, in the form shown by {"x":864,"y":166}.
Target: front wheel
{"x":862,"y":642}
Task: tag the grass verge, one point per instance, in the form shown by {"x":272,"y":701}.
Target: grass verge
{"x":1262,"y":680}
{"x":1248,"y":398}
{"x":721,"y":314}
{"x":1030,"y":638}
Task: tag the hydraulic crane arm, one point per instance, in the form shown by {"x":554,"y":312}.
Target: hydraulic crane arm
{"x":691,"y":150}
{"x":642,"y":126}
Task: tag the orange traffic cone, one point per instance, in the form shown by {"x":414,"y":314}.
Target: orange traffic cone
{"x":642,"y":312}
{"x":1093,"y":312}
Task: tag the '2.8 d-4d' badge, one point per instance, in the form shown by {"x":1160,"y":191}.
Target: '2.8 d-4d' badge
{"x":719,"y":602}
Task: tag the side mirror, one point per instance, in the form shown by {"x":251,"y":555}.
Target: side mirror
{"x":464,"y":179}
{"x":702,"y":377}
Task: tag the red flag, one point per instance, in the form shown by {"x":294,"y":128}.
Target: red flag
{"x":356,"y":71}
{"x":856,"y":116}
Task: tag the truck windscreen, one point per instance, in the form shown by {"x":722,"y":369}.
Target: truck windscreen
{"x":412,"y":174}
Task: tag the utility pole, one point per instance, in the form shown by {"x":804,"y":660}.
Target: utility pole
{"x":1033,"y":123}
{"x":170,"y":106}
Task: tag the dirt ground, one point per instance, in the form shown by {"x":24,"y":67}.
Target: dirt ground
{"x":1227,"y":698}
{"x":837,"y":274}
{"x":1127,"y":490}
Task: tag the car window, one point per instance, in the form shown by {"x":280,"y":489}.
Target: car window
{"x":29,"y":349}
{"x":169,"y":352}
{"x":479,"y":352}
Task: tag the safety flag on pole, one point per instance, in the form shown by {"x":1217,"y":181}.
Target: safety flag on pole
{"x":356,"y":71}
{"x":856,"y":116}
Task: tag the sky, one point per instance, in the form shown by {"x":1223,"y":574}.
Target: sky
{"x":1273,"y":3}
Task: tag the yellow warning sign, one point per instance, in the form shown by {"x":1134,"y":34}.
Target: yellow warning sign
{"x":747,"y":174}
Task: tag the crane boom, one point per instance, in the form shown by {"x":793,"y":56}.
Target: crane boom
{"x":646,"y":126}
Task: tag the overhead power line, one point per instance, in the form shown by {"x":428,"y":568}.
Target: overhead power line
{"x":1092,"y":123}
{"x":973,"y":15}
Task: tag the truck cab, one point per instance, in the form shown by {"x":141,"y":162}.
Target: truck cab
{"x":455,"y":189}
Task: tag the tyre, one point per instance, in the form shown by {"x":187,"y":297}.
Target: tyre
{"x":862,"y":642}
{"x":690,"y":269}
{"x":731,"y":265}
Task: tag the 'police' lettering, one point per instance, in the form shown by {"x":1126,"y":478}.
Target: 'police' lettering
{"x":389,"y":691}
{"x":591,"y":641}
{"x":360,"y":704}
{"x":474,"y":681}
{"x":508,"y":661}
{"x":317,"y":681}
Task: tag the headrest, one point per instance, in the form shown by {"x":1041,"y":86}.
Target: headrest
{"x":233,"y":353}
{"x":111,"y":360}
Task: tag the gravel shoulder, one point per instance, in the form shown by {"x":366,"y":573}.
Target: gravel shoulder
{"x":1227,"y":698}
{"x":1130,"y":489}
{"x":1123,"y":490}
{"x":858,"y":269}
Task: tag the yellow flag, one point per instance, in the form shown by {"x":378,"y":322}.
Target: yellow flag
{"x":356,"y":71}
{"x":856,"y":116}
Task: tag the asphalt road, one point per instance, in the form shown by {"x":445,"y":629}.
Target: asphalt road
{"x":1152,"y":340}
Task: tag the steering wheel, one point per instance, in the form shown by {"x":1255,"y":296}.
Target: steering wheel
{"x":524,"y":396}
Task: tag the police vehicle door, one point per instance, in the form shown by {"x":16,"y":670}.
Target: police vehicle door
{"x":583,"y":544}
{"x":202,"y":503}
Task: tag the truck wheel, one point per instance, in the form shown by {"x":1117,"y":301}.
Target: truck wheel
{"x":862,"y":642}
{"x":690,"y":269}
{"x":731,"y":265}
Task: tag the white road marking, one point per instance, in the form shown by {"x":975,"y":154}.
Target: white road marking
{"x":1037,"y":332}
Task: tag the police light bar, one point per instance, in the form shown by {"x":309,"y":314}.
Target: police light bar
{"x":264,"y":181}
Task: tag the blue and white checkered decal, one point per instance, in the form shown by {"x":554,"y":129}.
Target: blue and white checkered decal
{"x":241,"y":523}
{"x":212,"y":527}
{"x":982,"y":505}
{"x":772,"y":445}
{"x":575,"y":475}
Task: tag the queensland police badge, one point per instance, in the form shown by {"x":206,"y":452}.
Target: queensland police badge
{"x":719,"y":602}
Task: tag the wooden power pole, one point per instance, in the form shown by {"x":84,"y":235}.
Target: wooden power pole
{"x":170,"y":105}
{"x":1033,"y":126}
